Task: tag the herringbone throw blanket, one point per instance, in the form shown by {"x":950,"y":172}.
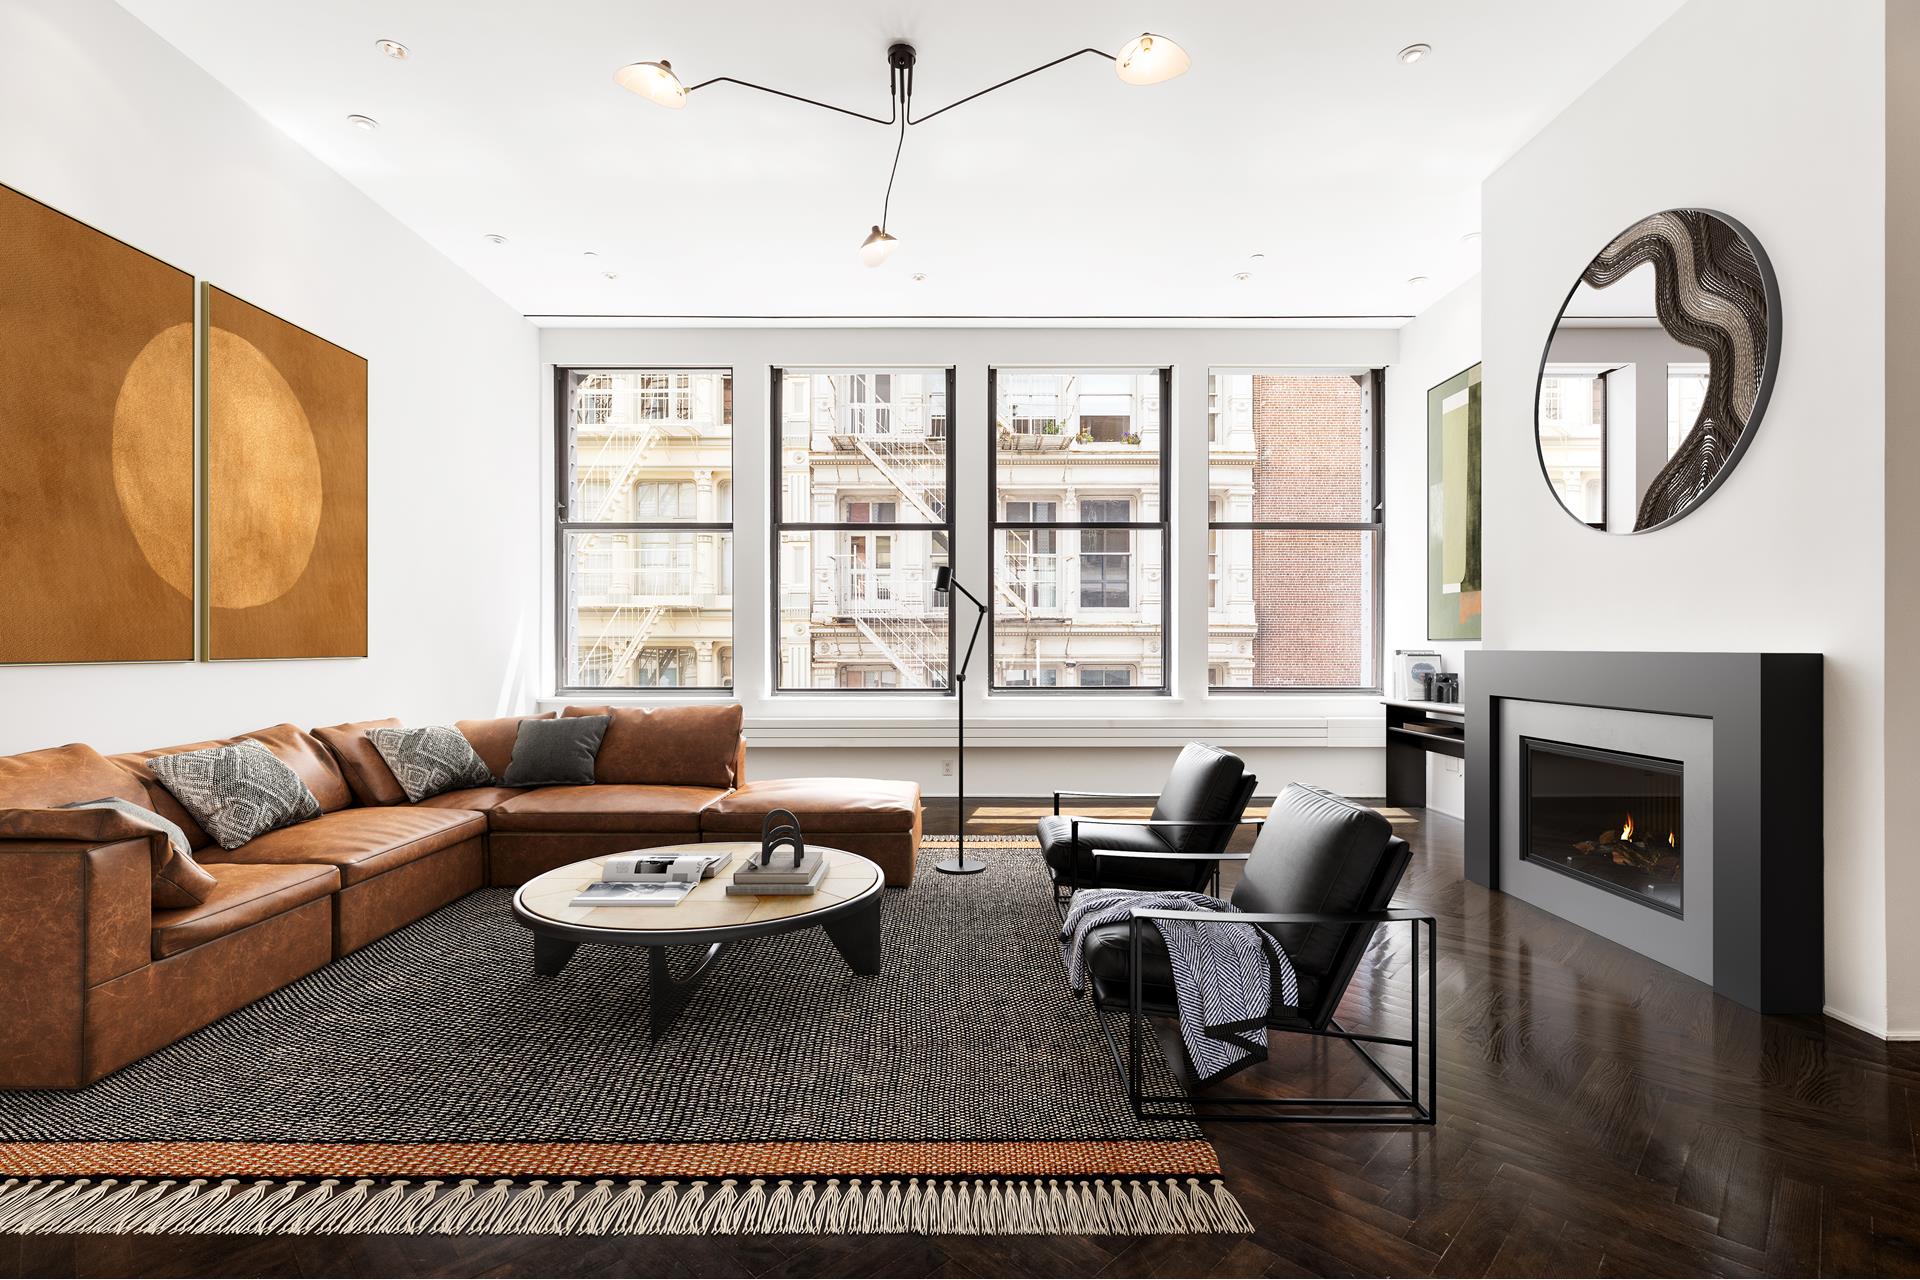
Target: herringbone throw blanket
{"x":1226,"y":976}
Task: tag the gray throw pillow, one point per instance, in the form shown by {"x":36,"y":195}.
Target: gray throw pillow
{"x":236,"y":792}
{"x":430,"y":761}
{"x":556,"y":753}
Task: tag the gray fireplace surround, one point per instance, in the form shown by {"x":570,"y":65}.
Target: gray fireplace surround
{"x":1763,"y":712}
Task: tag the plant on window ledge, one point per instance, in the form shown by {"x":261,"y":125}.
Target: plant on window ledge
{"x":1130,"y":438}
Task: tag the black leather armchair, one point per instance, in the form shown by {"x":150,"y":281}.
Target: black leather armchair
{"x":1204,"y":800}
{"x":1321,"y":878}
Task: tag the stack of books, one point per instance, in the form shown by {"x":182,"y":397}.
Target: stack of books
{"x":780,"y":875}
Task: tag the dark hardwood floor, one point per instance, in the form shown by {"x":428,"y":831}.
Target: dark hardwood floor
{"x":1599,"y":1115}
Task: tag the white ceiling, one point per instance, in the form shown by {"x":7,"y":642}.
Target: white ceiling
{"x":1297,"y":134}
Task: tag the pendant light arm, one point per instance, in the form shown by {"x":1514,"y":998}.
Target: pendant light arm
{"x":1004,"y":83}
{"x":892,"y":116}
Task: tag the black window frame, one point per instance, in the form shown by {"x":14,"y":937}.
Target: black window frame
{"x":777,"y":526}
{"x":1377,"y":385}
{"x":1164,"y":525}
{"x":562,"y":526}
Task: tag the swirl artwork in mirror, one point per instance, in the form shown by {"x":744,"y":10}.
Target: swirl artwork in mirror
{"x":1657,"y":371}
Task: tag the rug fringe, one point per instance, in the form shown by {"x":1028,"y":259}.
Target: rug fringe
{"x":874,"y":1206}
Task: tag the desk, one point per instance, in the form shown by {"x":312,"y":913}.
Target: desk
{"x":1414,"y":729}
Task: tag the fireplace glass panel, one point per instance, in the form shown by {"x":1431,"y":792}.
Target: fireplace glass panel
{"x":1608,"y":818}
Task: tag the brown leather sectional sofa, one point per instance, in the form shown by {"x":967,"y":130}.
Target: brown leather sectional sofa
{"x":93,"y":975}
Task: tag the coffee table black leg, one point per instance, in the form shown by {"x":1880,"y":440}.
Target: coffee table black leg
{"x":550,"y":954}
{"x":857,"y":937}
{"x":667,"y":995}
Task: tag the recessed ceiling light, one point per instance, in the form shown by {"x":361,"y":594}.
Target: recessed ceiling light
{"x":1243,"y":276}
{"x":366,"y":124}
{"x":1414,"y":52}
{"x":919,"y":277}
{"x":611,"y":275}
{"x":1472,"y":237}
{"x":1256,"y":257}
{"x":1416,"y":281}
{"x":589,"y":253}
{"x":393,"y":49}
{"x":496,"y":238}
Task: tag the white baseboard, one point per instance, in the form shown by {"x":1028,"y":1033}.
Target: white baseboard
{"x":1879,"y":1033}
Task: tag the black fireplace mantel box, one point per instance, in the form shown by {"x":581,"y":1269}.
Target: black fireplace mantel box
{"x":1767,"y":714}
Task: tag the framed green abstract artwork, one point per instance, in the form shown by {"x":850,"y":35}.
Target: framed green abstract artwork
{"x":1453,"y":508}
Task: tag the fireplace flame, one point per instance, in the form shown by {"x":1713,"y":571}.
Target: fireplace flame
{"x":1626,"y":828}
{"x":1670,"y":843}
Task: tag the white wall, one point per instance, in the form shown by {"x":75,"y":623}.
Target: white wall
{"x":1015,"y":744}
{"x":1438,"y":343}
{"x":1774,"y":112}
{"x":108,"y":123}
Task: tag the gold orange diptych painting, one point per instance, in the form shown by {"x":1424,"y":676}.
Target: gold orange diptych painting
{"x":98,"y":520}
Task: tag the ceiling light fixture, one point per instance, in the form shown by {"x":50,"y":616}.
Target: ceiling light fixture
{"x":393,"y":49}
{"x":366,"y":124}
{"x":1472,"y":237}
{"x":1243,"y":276}
{"x":1147,"y":59}
{"x":1413,"y":53}
{"x":919,"y":277}
{"x":1416,"y":281}
{"x":496,"y":238}
{"x":655,"y":82}
{"x":611,"y":275}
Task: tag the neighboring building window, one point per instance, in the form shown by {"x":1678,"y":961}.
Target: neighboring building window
{"x":645,"y":529}
{"x":1573,"y":438}
{"x":861,"y":523}
{"x":1079,"y":527}
{"x":1294,"y":526}
{"x":1686,"y":392}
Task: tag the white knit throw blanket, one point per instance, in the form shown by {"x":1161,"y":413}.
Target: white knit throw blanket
{"x":1225,"y":976}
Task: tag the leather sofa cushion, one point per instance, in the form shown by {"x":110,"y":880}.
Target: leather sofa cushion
{"x":243,"y":895}
{"x":1056,"y":837}
{"x":299,"y":750}
{"x":668,"y":746}
{"x":493,"y":739}
{"x":822,"y":804}
{"x":63,"y":775}
{"x":606,"y":807}
{"x":1317,"y":852}
{"x":1204,"y":783}
{"x":366,"y":773}
{"x":362,"y":843}
{"x":475,"y":799}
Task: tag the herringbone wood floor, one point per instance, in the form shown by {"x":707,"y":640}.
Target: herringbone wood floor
{"x":1599,"y":1115}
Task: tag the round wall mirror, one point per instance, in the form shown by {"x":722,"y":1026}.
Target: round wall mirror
{"x":1658,"y":370}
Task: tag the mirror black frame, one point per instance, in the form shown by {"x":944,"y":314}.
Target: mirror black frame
{"x":1770,"y":292}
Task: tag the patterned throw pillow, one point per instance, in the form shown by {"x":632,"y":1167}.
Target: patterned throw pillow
{"x":430,"y":761}
{"x":236,"y":792}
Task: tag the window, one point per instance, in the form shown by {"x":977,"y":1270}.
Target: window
{"x":1079,"y":528}
{"x":1573,"y":438}
{"x":861,"y":527}
{"x":1686,"y":393}
{"x":1294,"y":527}
{"x":645,"y":529}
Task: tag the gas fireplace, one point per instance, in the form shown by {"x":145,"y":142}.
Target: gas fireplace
{"x":1608,"y":818}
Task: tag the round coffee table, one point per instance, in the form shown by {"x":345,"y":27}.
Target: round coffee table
{"x":846,"y":905}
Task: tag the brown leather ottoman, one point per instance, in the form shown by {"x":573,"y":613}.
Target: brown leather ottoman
{"x":874,"y":817}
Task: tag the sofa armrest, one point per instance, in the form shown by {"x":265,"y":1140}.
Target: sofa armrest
{"x":75,"y":914}
{"x":740,"y":763}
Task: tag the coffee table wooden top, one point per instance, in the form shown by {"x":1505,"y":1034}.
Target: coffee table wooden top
{"x":549,"y":897}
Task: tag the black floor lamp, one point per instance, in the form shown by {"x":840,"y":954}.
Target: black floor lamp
{"x":942,"y":583}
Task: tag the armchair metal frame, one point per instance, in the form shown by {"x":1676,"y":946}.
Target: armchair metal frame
{"x":1405,"y":1107}
{"x":1073,"y":885}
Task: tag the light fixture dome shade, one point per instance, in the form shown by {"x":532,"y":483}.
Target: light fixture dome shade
{"x":654,"y":81}
{"x":875,"y":248}
{"x":1151,"y":59}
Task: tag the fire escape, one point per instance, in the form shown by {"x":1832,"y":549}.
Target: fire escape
{"x":905,"y":636}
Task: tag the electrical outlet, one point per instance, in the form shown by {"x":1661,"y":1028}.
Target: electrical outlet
{"x":946,"y":768}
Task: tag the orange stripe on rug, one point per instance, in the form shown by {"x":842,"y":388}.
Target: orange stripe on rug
{"x":1120,"y":1158}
